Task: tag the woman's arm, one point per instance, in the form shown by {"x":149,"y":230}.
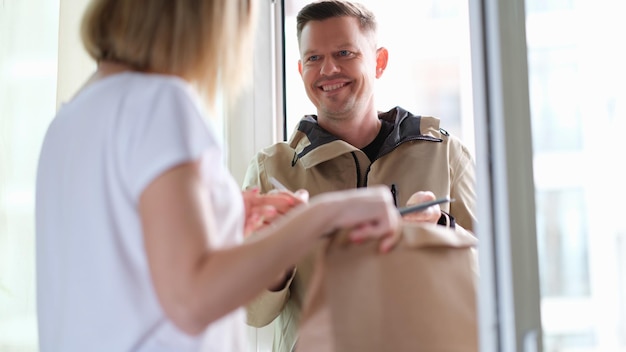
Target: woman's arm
{"x":197,"y":284}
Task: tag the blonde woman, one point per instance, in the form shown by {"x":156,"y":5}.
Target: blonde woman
{"x":139,"y":225}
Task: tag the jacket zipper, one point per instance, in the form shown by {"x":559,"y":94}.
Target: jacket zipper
{"x":358,"y":170}
{"x":394,"y":194}
{"x":394,"y":188}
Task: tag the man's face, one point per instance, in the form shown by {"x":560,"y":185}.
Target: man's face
{"x":338,"y":64}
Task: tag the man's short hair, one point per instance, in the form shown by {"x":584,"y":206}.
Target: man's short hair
{"x":322,"y":10}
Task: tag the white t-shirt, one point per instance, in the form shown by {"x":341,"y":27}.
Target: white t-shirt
{"x":94,"y":291}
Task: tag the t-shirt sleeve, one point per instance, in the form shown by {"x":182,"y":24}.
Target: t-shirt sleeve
{"x":171,"y":132}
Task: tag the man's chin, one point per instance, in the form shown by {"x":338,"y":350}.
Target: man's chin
{"x":335,"y":112}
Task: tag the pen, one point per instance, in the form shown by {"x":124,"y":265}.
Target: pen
{"x":422,"y":206}
{"x":279,"y":186}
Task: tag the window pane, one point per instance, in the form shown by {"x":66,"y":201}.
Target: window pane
{"x":552,"y":5}
{"x":562,"y":234}
{"x":578,"y":103}
{"x":557,"y":123}
{"x":28,"y":66}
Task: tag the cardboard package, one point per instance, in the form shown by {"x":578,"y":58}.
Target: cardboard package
{"x":419,"y":297}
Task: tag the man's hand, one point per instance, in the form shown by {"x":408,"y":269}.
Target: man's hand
{"x":430,"y":214}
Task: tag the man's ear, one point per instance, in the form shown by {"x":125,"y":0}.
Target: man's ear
{"x":382,"y":55}
{"x":300,"y":67}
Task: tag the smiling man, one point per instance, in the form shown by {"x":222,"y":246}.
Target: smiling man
{"x":349,"y":144}
{"x":339,"y":64}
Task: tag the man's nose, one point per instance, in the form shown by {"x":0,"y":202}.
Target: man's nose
{"x":329,"y":66}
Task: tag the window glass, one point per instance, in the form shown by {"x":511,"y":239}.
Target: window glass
{"x":28,"y":69}
{"x":562,"y":244}
{"x":536,"y":6}
{"x":578,"y":102}
{"x":557,"y":124}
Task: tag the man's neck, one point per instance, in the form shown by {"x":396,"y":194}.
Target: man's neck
{"x":359,"y":131}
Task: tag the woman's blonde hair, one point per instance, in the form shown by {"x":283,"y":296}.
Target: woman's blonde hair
{"x":202,"y":41}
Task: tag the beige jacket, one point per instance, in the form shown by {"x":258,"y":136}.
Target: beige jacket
{"x":417,"y":156}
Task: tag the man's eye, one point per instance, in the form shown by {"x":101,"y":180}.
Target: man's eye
{"x":313,"y":58}
{"x":344,"y":53}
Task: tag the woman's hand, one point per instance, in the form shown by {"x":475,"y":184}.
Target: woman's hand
{"x":367,"y":213}
{"x":262,"y":209}
{"x":430,"y":214}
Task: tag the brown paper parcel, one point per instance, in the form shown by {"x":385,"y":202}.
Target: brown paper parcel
{"x":419,"y":297}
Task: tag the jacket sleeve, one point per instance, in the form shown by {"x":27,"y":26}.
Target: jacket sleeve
{"x":269,"y":304}
{"x":462,"y":189}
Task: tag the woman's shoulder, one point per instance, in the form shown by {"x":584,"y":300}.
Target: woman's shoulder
{"x":153,"y":86}
{"x":133,"y":87}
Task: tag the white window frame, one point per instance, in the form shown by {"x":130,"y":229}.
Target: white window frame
{"x":256,"y":120}
{"x":74,"y":65}
{"x":509,"y":297}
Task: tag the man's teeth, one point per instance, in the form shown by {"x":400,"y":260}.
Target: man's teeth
{"x":333,"y":87}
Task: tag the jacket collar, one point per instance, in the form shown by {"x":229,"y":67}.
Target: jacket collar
{"x":314,"y":145}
